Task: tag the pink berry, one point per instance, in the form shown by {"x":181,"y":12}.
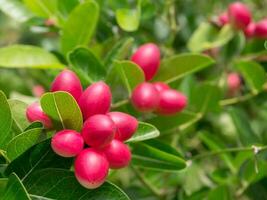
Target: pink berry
{"x":261,"y":29}
{"x":250,"y":30}
{"x":67,"y":143}
{"x":117,"y":154}
{"x":91,"y":168}
{"x":35,"y":113}
{"x":68,"y":81}
{"x":147,"y":57}
{"x":98,"y":130}
{"x":171,"y":102}
{"x":145,"y":97}
{"x":96,"y":99}
{"x":233,"y":82}
{"x":239,"y":15}
{"x":125,"y":124}
{"x":38,"y":90}
{"x":223,"y":19}
{"x":50,"y":22}
{"x":160,"y":86}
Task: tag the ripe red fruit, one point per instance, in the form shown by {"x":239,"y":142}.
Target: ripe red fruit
{"x":67,"y":143}
{"x":34,"y":112}
{"x":160,"y":86}
{"x":96,"y":99}
{"x":145,"y":97}
{"x":223,"y":19}
{"x":125,"y":124}
{"x":233,"y":82}
{"x":117,"y":154}
{"x":171,"y":102}
{"x":261,"y":29}
{"x":98,"y":131}
{"x":147,"y":57}
{"x":68,"y":81}
{"x":91,"y":168}
{"x":38,"y":90}
{"x":250,"y":30}
{"x":239,"y":15}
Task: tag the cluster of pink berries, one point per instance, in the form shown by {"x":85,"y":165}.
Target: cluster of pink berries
{"x":157,"y":96}
{"x":100,"y":145}
{"x":239,"y":16}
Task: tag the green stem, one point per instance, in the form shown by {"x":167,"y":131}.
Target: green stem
{"x":226,"y":102}
{"x":120,"y":103}
{"x":255,"y":149}
{"x":142,"y":179}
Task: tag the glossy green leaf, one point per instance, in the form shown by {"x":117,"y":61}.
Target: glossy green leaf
{"x":170,"y":123}
{"x":125,"y":74}
{"x":207,"y":36}
{"x":18,"y":110}
{"x":22,"y":142}
{"x":3,"y":184}
{"x":80,"y":26}
{"x":242,"y":123}
{"x":219,"y":193}
{"x":40,"y":156}
{"x":118,"y":52}
{"x":16,"y":10}
{"x":42,"y":8}
{"x":176,"y":67}
{"x":56,"y":184}
{"x":215,"y":144}
{"x":26,"y":56}
{"x":63,"y":110}
{"x":144,"y":131}
{"x":5,"y":120}
{"x":253,"y":74}
{"x":34,"y":125}
{"x":15,"y":189}
{"x":156,"y":155}
{"x":86,"y":65}
{"x":128,"y":19}
{"x":206,"y":101}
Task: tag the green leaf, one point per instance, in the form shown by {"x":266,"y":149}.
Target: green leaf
{"x":243,"y":128}
{"x":144,"y":131}
{"x":208,"y":36}
{"x":5,"y":122}
{"x":63,"y":110}
{"x":206,"y":101}
{"x":22,"y":142}
{"x":128,"y":19}
{"x":118,"y":52}
{"x":219,"y":193}
{"x":42,"y":8}
{"x":126,"y":74}
{"x":176,"y":67}
{"x":156,"y":155}
{"x":16,"y":10}
{"x":18,"y":110}
{"x":86,"y":65}
{"x":38,"y":157}
{"x":80,"y":26}
{"x":3,"y":184}
{"x":215,"y":144}
{"x":253,"y":74}
{"x":26,"y":56}
{"x":15,"y":189}
{"x":62,"y":184}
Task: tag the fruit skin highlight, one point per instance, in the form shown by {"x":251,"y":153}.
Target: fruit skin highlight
{"x":98,"y":131}
{"x":118,"y":154}
{"x":171,"y":102}
{"x":34,"y":113}
{"x":160,"y":86}
{"x":68,"y":81}
{"x":239,"y":15}
{"x":67,"y":143}
{"x":96,"y":99}
{"x":261,"y":29}
{"x":91,"y":168}
{"x":147,"y":57}
{"x":125,"y":124}
{"x":145,"y":97}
